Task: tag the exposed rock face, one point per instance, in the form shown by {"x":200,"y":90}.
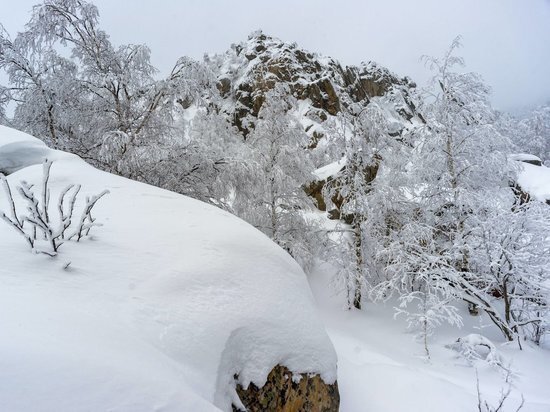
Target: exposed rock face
{"x":323,"y":87}
{"x":521,"y":195}
{"x":285,"y":392}
{"x":250,"y":69}
{"x":315,"y":190}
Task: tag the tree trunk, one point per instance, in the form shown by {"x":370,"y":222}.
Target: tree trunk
{"x":357,"y":244}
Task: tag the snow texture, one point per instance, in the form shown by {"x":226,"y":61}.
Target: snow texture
{"x":523,"y":157}
{"x":535,"y":180}
{"x":19,"y":150}
{"x":382,"y":368}
{"x":155,"y":310}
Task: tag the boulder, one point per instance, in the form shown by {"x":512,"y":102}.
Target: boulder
{"x":288,"y":392}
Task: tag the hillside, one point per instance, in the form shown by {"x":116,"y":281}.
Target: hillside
{"x":264,"y":229}
{"x":156,"y":311}
{"x":176,"y":288}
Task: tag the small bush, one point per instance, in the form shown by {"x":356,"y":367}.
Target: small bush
{"x":36,"y":225}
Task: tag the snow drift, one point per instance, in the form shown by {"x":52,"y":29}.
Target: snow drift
{"x":137,"y":317}
{"x":535,"y":180}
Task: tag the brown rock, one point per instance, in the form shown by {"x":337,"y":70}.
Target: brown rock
{"x":224,"y":86}
{"x":282,"y":394}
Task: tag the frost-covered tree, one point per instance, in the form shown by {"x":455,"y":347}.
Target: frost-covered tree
{"x":103,"y":102}
{"x":205,"y":160}
{"x":454,"y":197}
{"x":271,"y":195}
{"x":41,"y":84}
{"x":516,"y":264}
{"x":38,"y":224}
{"x":363,"y":139}
{"x":533,"y":134}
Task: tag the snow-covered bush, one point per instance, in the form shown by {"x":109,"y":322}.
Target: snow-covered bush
{"x":484,"y":406}
{"x":37,"y":224}
{"x":475,"y":348}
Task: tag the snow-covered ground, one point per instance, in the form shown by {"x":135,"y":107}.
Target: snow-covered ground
{"x":164,"y":303}
{"x":382,"y":368}
{"x":155,"y":311}
{"x":535,"y":180}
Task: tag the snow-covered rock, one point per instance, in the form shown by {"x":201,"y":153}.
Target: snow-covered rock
{"x":249,"y":69}
{"x":156,"y":311}
{"x":477,"y":348}
{"x":527,"y":158}
{"x":535,"y":180}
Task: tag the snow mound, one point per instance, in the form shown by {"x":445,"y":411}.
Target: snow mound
{"x":153,"y":310}
{"x":475,"y":348}
{"x":19,"y":150}
{"x":525,"y":157}
{"x":535,"y":180}
{"x":330,"y":170}
{"x":9,"y":135}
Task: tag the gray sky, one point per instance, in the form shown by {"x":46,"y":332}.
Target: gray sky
{"x":506,"y":41}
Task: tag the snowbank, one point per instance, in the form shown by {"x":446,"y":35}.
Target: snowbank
{"x":382,"y":367}
{"x":330,"y":170}
{"x":140,"y":317}
{"x":535,"y":180}
{"x":527,"y":158}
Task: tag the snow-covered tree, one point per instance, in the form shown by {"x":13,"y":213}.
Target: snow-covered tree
{"x":364,"y":141}
{"x":204,"y":160}
{"x":271,"y":195}
{"x":103,"y":102}
{"x":516,"y":264}
{"x":454,"y":198}
{"x":533,"y":134}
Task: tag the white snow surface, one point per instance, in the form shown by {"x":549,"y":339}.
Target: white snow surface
{"x":535,"y":180}
{"x":330,"y":170}
{"x":383,"y":368}
{"x":157,"y":309}
{"x":522,"y":157}
{"x":19,"y":150}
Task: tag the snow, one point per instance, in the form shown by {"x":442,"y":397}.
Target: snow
{"x":19,"y":150}
{"x":329,"y":170}
{"x":382,"y":368}
{"x":535,"y":180}
{"x":171,"y":297}
{"x":475,"y":348}
{"x":523,"y":157}
{"x":10,"y":135}
{"x":155,"y":310}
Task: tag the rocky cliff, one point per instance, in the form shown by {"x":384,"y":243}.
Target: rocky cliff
{"x":325,"y":87}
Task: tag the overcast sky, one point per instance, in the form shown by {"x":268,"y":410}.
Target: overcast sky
{"x":507,"y":41}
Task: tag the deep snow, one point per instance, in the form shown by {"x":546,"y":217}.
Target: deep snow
{"x":535,"y":180}
{"x":383,"y":368}
{"x":164,"y":303}
{"x":150,"y":306}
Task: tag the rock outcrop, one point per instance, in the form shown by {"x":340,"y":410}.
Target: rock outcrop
{"x":249,"y":69}
{"x":288,"y":392}
{"x":323,"y":87}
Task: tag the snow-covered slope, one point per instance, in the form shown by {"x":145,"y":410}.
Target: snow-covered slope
{"x":382,"y":368}
{"x":140,"y":316}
